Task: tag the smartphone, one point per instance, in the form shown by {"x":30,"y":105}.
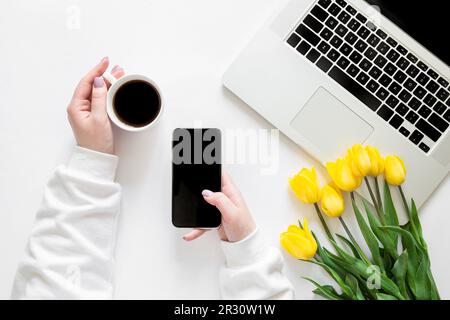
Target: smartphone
{"x":196,"y":166}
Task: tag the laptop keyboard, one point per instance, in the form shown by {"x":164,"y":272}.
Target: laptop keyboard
{"x":384,"y":75}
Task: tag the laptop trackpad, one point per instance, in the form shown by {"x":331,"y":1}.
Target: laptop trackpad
{"x":330,"y":125}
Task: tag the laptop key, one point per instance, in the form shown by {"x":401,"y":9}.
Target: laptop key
{"x":416,"y":137}
{"x":402,"y":109}
{"x":307,"y":34}
{"x":404,"y":131}
{"x":313,"y":23}
{"x":354,"y":25}
{"x":412,"y":117}
{"x":323,"y":47}
{"x":412,"y":58}
{"x":355,"y":88}
{"x":303,"y":47}
{"x":293,"y":40}
{"x":334,"y":9}
{"x":423,"y":79}
{"x":326,"y":34}
{"x":380,"y":61}
{"x":429,"y":100}
{"x":401,"y":49}
{"x":414,"y":103}
{"x":336,"y":42}
{"x":363,"y":32}
{"x":362,"y":78}
{"x":432,"y":86}
{"x":424,"y":147}
{"x":361,"y":46}
{"x":324,"y":3}
{"x":382,"y":94}
{"x":372,"y":86}
{"x":342,"y":3}
{"x":420,"y":92}
{"x":422,"y":66}
{"x":391,"y":42}
{"x":402,"y":63}
{"x":428,"y":130}
{"x":344,"y":17}
{"x":371,"y":26}
{"x":443,"y":82}
{"x":447,"y":115}
{"x":365,"y":64}
{"x":375,"y":72}
{"x":439,"y":108}
{"x":392,"y":101}
{"x":331,"y":23}
{"x":385,"y":80}
{"x":405,"y":96}
{"x":381,"y":34}
{"x":361,"y":18}
{"x":343,"y":62}
{"x":383,"y":48}
{"x":433,"y":74}
{"x":351,"y":10}
{"x":313,"y":55}
{"x":352,"y":70}
{"x":424,"y":112}
{"x":355,"y":57}
{"x":333,"y":55}
{"x":400,"y":76}
{"x":385,"y":112}
{"x":396,"y":121}
{"x":319,"y":13}
{"x":351,"y":38}
{"x":410,"y":84}
{"x":395,"y":88}
{"x":390,"y":69}
{"x":373,"y":40}
{"x":370,"y":53}
{"x":341,"y":30}
{"x":393,"y":55}
{"x":442,"y":94}
{"x":324,"y":64}
{"x":412,"y":71}
{"x":438,"y":122}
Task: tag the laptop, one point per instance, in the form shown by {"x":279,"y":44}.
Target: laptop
{"x":333,"y":73}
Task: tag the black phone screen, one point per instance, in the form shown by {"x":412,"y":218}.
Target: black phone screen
{"x":196,"y":166}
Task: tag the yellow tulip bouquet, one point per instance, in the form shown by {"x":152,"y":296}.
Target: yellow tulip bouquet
{"x":398,"y":266}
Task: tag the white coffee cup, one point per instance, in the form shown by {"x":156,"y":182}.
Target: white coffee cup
{"x":115,"y":85}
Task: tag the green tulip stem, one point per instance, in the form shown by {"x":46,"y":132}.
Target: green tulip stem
{"x":405,"y":203}
{"x":324,"y":224}
{"x":375,"y":203}
{"x":377,"y":190}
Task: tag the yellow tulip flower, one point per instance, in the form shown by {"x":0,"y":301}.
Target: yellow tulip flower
{"x":360,"y":160}
{"x":332,"y":201}
{"x":342,"y":174}
{"x":306,"y":185}
{"x":376,"y":161}
{"x":299,"y":242}
{"x":394,"y":170}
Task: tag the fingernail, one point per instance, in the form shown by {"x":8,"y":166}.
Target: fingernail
{"x":104,"y":58}
{"x":98,"y":82}
{"x":116,"y":67}
{"x":206,"y":193}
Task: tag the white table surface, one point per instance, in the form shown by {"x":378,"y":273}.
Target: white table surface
{"x":185,"y":46}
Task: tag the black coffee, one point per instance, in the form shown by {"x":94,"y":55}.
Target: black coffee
{"x":137,"y":103}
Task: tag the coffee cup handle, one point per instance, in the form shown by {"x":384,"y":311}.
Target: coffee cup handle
{"x":108,"y":76}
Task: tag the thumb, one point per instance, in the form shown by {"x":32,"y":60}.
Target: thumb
{"x":221,"y":202}
{"x":98,"y":100}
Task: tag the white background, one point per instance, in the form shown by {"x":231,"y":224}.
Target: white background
{"x":185,"y":46}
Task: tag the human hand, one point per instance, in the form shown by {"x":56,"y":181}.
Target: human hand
{"x":237,"y":221}
{"x":87,"y":110}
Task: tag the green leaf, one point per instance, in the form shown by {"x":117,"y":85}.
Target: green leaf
{"x":370,"y":238}
{"x":383,"y":296}
{"x":350,"y":245}
{"x":326,"y":291}
{"x":423,"y":286}
{"x":399,"y":271}
{"x":417,"y":226}
{"x":353,"y":284}
{"x":389,"y":208}
{"x":385,"y":238}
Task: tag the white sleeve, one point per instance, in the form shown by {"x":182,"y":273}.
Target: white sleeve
{"x":253,"y":271}
{"x":70,"y":252}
